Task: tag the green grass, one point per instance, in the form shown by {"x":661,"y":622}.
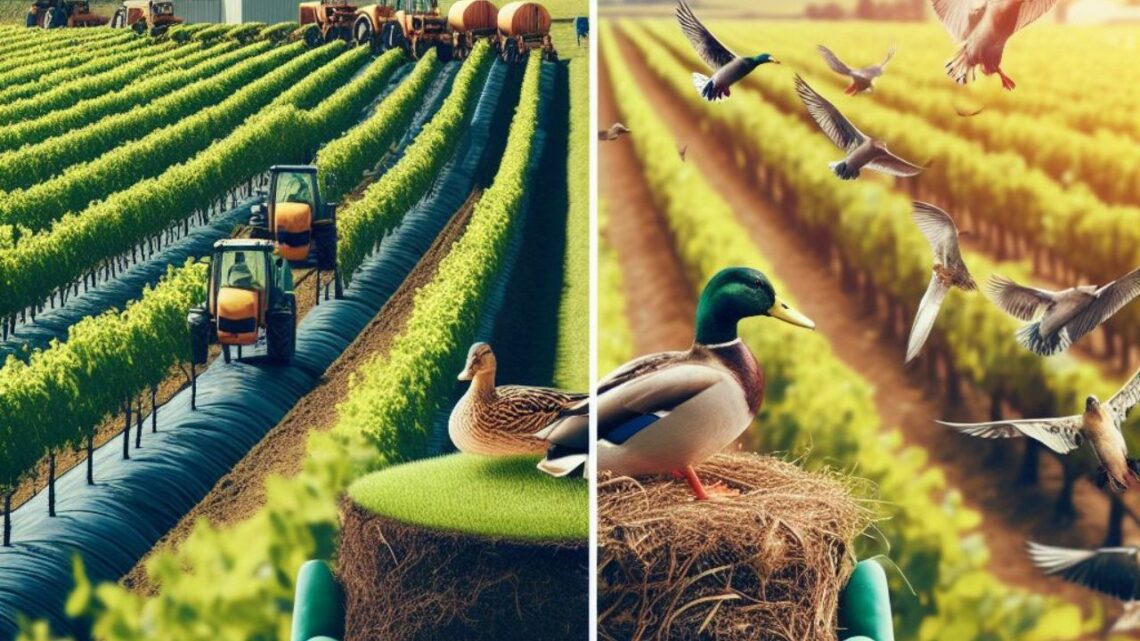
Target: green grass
{"x":493,"y":497}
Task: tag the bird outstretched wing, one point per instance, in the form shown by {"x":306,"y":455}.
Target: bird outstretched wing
{"x":1109,"y":300}
{"x":892,"y":165}
{"x":926,"y":315}
{"x":1128,"y":397}
{"x":959,"y":16}
{"x":833,"y":123}
{"x":1031,"y":10}
{"x":938,"y":228}
{"x":1112,"y":571}
{"x":1062,"y":435}
{"x":1021,"y":302}
{"x":833,"y":61}
{"x":711,"y":50}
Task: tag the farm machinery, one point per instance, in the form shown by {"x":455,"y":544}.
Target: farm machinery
{"x":249,"y":298}
{"x":155,"y":16}
{"x":525,"y":26}
{"x":52,"y":14}
{"x":333,"y":20}
{"x":412,"y":25}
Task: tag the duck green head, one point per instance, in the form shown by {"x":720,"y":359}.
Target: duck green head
{"x":762,"y":59}
{"x":736,"y":293}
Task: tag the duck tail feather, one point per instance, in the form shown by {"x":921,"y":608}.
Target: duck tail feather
{"x":563,"y":462}
{"x":958,"y":68}
{"x":842,"y":170}
{"x":1043,"y":344}
{"x":704,"y":86}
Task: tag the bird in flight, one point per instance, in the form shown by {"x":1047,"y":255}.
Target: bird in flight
{"x":949,"y":271}
{"x":981,"y":28}
{"x":862,"y":79}
{"x":728,"y":68}
{"x":1112,"y":571}
{"x":615,"y":131}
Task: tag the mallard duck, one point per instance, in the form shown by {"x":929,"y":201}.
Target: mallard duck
{"x":615,"y":131}
{"x":728,"y":68}
{"x":1112,"y":571}
{"x":982,"y":28}
{"x":1100,"y":424}
{"x":1066,"y":316}
{"x":949,"y":271}
{"x":667,"y":412}
{"x":499,"y":421}
{"x":861,"y":79}
{"x":862,"y":150}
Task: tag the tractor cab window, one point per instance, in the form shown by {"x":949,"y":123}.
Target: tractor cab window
{"x":244,"y":269}
{"x":162,"y":8}
{"x":296,"y":187}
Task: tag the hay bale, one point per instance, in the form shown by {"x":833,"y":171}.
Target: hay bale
{"x":465,"y":547}
{"x":766,"y":565}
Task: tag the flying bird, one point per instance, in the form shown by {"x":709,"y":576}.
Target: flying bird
{"x":681,"y":151}
{"x":862,"y":150}
{"x":1100,"y":424}
{"x":861,"y":79}
{"x":669,"y":411}
{"x":1111,"y":571}
{"x":501,"y":421}
{"x":615,"y":131}
{"x":1066,"y":316}
{"x":982,"y":27}
{"x":949,"y":271}
{"x":728,"y":68}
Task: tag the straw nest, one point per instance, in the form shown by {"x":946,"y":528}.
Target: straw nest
{"x":765,"y":565}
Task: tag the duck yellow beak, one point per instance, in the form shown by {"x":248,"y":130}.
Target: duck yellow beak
{"x":782,"y":311}
{"x":466,"y":374}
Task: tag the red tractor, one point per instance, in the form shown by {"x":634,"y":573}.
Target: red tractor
{"x":155,"y":16}
{"x":412,"y":25}
{"x":333,"y":20}
{"x":52,"y":14}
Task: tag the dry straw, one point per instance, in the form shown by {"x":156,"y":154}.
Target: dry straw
{"x":765,"y":565}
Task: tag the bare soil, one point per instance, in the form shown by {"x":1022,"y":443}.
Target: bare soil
{"x":241,"y":493}
{"x":1012,"y":514}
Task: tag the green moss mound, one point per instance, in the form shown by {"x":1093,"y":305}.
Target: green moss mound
{"x":495,"y":497}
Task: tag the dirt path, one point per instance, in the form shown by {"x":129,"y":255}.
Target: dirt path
{"x":1012,"y":514}
{"x":241,"y":492}
{"x":659,"y":299}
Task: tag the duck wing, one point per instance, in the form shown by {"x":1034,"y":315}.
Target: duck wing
{"x":1112,"y":571}
{"x":1109,"y":300}
{"x":926,"y":315}
{"x":959,"y":16}
{"x":833,"y":123}
{"x":711,"y":50}
{"x":1123,"y":401}
{"x":1030,"y":11}
{"x":833,"y":61}
{"x":1062,"y":435}
{"x":625,"y":410}
{"x":1021,"y":302}
{"x":941,"y":232}
{"x":887,"y":163}
{"x":875,"y":71}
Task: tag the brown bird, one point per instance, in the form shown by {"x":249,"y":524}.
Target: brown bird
{"x":982,"y":27}
{"x":615,"y":131}
{"x":949,"y":271}
{"x":861,"y":79}
{"x":862,"y":150}
{"x":500,"y":421}
{"x":1100,"y":424}
{"x":1066,"y":316}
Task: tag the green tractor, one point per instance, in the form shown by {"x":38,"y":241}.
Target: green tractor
{"x":249,"y":299}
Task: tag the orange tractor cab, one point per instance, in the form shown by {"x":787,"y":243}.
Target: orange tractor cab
{"x":249,"y":299}
{"x":524,"y":26}
{"x":295,"y":218}
{"x":52,"y":14}
{"x":412,"y":25}
{"x":155,"y":16}
{"x":333,"y":19}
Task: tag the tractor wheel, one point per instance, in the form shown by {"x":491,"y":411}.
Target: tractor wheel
{"x":226,"y":354}
{"x":362,"y":30}
{"x":280,"y":335}
{"x":313,"y":38}
{"x":158,"y":30}
{"x":199,"y":321}
{"x":54,"y":18}
{"x":32,"y":20}
{"x":395,"y":37}
{"x":421,"y":47}
{"x":139,"y":27}
{"x":445,"y":52}
{"x":119,"y":20}
{"x":324,"y":237}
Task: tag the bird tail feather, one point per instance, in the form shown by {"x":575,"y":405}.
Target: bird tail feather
{"x":842,"y":170}
{"x":561,"y":462}
{"x":958,"y":68}
{"x":704,"y":86}
{"x":1046,"y":345}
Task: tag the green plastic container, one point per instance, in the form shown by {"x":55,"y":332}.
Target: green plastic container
{"x":318,"y":606}
{"x":865,"y":605}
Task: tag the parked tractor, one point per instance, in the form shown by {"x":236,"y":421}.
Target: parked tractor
{"x":412,"y":25}
{"x":52,"y":14}
{"x":333,"y":19}
{"x":524,"y":26}
{"x":472,"y":21}
{"x":155,"y":16}
{"x":249,"y":299}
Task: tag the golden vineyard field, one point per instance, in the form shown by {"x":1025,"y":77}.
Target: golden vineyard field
{"x":1047,"y":180}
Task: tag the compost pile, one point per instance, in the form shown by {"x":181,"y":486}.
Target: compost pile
{"x":765,"y":565}
{"x":412,"y":583}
